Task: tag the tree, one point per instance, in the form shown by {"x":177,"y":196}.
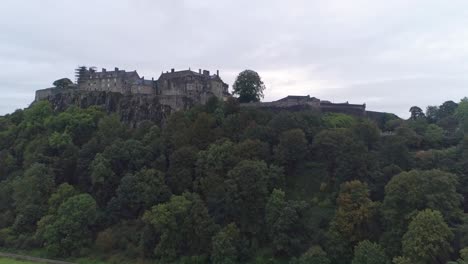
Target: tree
{"x":103,"y":179}
{"x":447,"y":108}
{"x":432,"y":113}
{"x":211,"y":169}
{"x":203,"y":131}
{"x":428,"y":238}
{"x":137,"y":193}
{"x":182,"y":169}
{"x":62,"y":83}
{"x":284,"y":222}
{"x":226,"y":245}
{"x":31,"y":193}
{"x":368,"y":132}
{"x":434,"y":135}
{"x":395,"y":151}
{"x":184,"y":226}
{"x":329,"y":145}
{"x":416,"y":113}
{"x":345,"y":157}
{"x":402,"y":260}
{"x":409,"y":192}
{"x":69,"y":230}
{"x":356,"y":212}
{"x":315,"y":255}
{"x":63,"y":193}
{"x":367,"y":252}
{"x":292,"y":147}
{"x":253,"y":150}
{"x":461,"y":112}
{"x":248,"y":86}
{"x":354,"y":220}
{"x":247,"y":187}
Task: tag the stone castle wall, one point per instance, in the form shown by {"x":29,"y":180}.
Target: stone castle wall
{"x":49,"y":92}
{"x":302,"y":102}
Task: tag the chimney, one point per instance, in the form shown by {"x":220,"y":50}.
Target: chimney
{"x":103,"y":69}
{"x":217,"y":72}
{"x":199,"y":71}
{"x":172,"y":70}
{"x":116,"y":69}
{"x":152,"y":79}
{"x":205,"y":72}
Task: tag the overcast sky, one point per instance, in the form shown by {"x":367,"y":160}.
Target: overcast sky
{"x":388,"y":54}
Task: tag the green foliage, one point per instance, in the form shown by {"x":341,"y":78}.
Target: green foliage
{"x":248,"y":86}
{"x":63,"y":192}
{"x":416,"y":112}
{"x":356,"y":211}
{"x":461,"y":112}
{"x":226,"y":245}
{"x":138,"y":192}
{"x":30,"y":194}
{"x":182,"y":169}
{"x":292,"y":147}
{"x":334,"y":120}
{"x":247,"y":187}
{"x":250,"y":185}
{"x":409,"y":192}
{"x":314,"y":255}
{"x":402,"y":260}
{"x":429,"y":189}
{"x":428,"y":238}
{"x":367,"y":252}
{"x":434,"y":135}
{"x":184,"y":226}
{"x":62,"y":83}
{"x":285,"y":223}
{"x":68,"y":231}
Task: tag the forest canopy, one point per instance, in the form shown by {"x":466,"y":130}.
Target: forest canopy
{"x":224,"y":184}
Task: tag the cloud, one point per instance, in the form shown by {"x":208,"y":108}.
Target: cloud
{"x":378,"y":52}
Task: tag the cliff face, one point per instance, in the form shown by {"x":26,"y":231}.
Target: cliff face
{"x":132,"y":109}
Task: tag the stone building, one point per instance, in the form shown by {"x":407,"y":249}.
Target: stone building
{"x":118,"y":81}
{"x":197,"y":85}
{"x":176,"y":88}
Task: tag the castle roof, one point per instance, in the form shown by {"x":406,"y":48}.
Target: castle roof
{"x":177,"y":74}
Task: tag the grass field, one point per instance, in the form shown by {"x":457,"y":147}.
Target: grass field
{"x":12,"y":261}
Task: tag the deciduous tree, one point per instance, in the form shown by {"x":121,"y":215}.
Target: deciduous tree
{"x":248,"y":86}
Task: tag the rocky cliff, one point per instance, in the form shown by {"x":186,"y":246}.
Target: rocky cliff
{"x":132,"y":109}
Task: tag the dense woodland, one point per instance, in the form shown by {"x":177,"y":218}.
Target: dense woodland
{"x":224,"y":184}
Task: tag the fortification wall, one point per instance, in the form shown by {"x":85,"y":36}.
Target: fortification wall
{"x":142,"y":89}
{"x":48,"y":92}
{"x":281,"y":104}
{"x":350,"y":109}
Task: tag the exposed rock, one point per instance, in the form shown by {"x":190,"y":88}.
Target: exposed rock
{"x":132,"y":109}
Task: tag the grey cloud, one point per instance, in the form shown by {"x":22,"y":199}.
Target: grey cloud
{"x":357,"y":51}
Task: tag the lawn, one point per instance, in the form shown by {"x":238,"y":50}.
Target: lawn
{"x":12,"y":261}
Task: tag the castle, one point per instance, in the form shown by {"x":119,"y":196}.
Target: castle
{"x":175,"y":88}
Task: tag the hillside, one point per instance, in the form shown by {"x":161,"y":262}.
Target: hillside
{"x":127,"y":182}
